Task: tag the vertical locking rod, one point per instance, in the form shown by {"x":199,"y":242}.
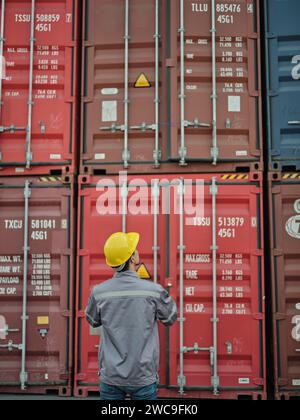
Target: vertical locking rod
{"x":23,"y":373}
{"x":182,"y":149}
{"x":214,"y":248}
{"x":181,"y":248}
{"x":157,"y":152}
{"x":214,"y":149}
{"x":155,"y":195}
{"x":126,"y":154}
{"x":124,"y":195}
{"x":30,"y":95}
{"x":2,"y":40}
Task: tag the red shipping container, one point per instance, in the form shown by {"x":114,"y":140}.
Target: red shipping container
{"x":38,"y":90}
{"x":212,"y":263}
{"x":36,"y":285}
{"x":168,"y":84}
{"x":284,"y":196}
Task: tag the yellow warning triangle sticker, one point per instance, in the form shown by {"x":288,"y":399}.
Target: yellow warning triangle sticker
{"x":142,"y":82}
{"x":143,"y":272}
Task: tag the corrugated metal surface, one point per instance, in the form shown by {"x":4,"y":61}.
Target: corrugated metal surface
{"x":36,"y":285}
{"x":285,"y":247}
{"x":198,"y":111}
{"x":39,"y":88}
{"x":189,"y":251}
{"x":283,"y":83}
{"x":203,"y":100}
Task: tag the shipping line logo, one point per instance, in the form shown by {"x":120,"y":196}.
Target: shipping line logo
{"x":296,"y":69}
{"x":293,"y":224}
{"x":296,"y":322}
{"x":138,"y":196}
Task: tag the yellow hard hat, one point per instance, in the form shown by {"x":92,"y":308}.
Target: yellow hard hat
{"x":119,"y":247}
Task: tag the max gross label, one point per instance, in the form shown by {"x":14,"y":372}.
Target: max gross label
{"x":40,"y":259}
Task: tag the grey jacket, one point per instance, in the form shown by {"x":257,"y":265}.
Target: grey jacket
{"x":128,"y":308}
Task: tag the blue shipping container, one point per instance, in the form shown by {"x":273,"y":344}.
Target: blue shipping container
{"x":282,"y":34}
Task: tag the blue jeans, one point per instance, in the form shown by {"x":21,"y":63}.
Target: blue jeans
{"x":111,"y":392}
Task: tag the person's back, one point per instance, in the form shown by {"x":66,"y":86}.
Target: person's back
{"x":128,"y":309}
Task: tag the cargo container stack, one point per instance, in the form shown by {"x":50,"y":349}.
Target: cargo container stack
{"x":38,"y":108}
{"x":282,"y":45}
{"x":146,"y":115}
{"x":171,"y":98}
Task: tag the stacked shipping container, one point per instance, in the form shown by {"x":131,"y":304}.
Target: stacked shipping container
{"x":283,"y":74}
{"x":39,"y":81}
{"x":173,"y":87}
{"x":212,"y":265}
{"x":282,"y":40}
{"x":36,"y":221}
{"x":38,"y":94}
{"x":166,"y":85}
{"x":284,"y":199}
{"x":170,"y":96}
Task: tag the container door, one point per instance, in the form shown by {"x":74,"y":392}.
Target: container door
{"x":122,"y":97}
{"x":213,"y":91}
{"x":217,"y":273}
{"x":35,"y":287}
{"x":283,"y":47}
{"x":37,"y":88}
{"x":286,"y":234}
{"x":129,"y":205}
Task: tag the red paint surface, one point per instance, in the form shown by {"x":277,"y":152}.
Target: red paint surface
{"x":54,"y":87}
{"x":240,"y":284}
{"x":238,"y":80}
{"x":285,"y":251}
{"x":49,"y":281}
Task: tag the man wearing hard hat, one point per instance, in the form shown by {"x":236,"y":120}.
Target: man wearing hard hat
{"x":128,"y":309}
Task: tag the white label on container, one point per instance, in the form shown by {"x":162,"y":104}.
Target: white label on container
{"x":296,"y":382}
{"x":241,"y":153}
{"x":109,"y":111}
{"x":298,"y":306}
{"x":46,"y":376}
{"x":110,"y":91}
{"x":19,"y":170}
{"x":190,"y":56}
{"x":244,"y":381}
{"x":100,"y":156}
{"x":3,"y":329}
{"x":254,"y":222}
{"x":191,"y":87}
{"x":55,"y":157}
{"x":234,"y":104}
{"x":64,"y":224}
{"x":292,"y":227}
